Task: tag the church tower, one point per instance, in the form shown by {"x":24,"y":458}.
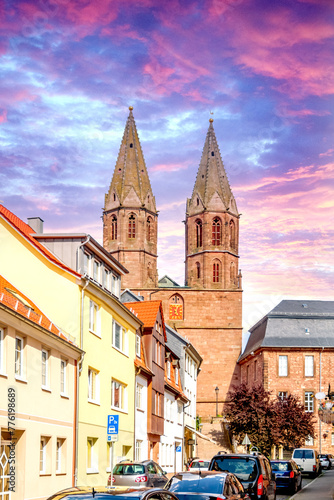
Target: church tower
{"x":212,"y":225}
{"x":130,"y":218}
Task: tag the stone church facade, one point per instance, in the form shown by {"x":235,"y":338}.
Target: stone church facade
{"x":207,"y":310}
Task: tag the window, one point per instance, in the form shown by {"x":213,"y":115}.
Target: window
{"x":216,"y":272}
{"x":179,"y":413}
{"x":157,"y":352}
{"x":139,"y":396}
{"x":114,"y":228}
{"x":107,"y":279}
{"x":132,"y":227}
{"x":2,"y":364}
{"x":199,"y":233}
{"x":115,"y":285}
{"x":63,"y":377}
{"x":309,"y":366}
{"x":138,"y":345}
{"x":118,"y":395}
{"x":282,"y":366}
{"x":92,"y":463}
{"x":60,"y":456}
{"x":176,"y":376}
{"x":309,"y":401}
{"x":309,"y":441}
{"x":94,"y":319}
{"x":19,"y":357}
{"x":232,"y":234}
{"x":216,"y":231}
{"x":44,"y":455}
{"x":198,"y":270}
{"x":282,"y":395}
{"x":96,"y":270}
{"x":138,"y":449}
{"x":119,"y":337}
{"x":149,"y":229}
{"x":45,"y":368}
{"x":168,"y":369}
{"x":93,"y":386}
{"x":87,"y":260}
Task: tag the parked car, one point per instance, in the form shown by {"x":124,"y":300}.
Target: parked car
{"x":331,"y":458}
{"x":119,"y":493}
{"x":288,"y":475}
{"x":252,"y":470}
{"x":203,"y":485}
{"x":198,"y":464}
{"x":138,"y":474}
{"x":308,"y":460}
{"x":325,"y":461}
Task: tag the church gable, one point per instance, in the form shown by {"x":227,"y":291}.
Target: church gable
{"x":130,"y":197}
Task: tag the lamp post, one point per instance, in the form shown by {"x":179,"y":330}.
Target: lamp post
{"x":217,"y":391}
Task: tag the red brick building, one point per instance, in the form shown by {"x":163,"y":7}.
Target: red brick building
{"x":291,"y":351}
{"x":207,"y":310}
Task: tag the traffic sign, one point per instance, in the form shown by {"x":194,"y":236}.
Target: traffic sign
{"x":112,"y":427}
{"x":112,"y":438}
{"x":246,"y":440}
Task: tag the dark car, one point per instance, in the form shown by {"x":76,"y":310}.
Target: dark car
{"x":252,"y":470}
{"x":205,"y":485}
{"x":288,"y":475}
{"x":138,"y":474}
{"x":105,"y":493}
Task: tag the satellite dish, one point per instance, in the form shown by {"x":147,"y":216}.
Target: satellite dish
{"x":320,"y":395}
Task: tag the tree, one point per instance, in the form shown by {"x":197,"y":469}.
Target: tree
{"x":267,"y":421}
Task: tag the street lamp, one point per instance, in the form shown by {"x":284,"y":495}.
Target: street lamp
{"x":217,"y":391}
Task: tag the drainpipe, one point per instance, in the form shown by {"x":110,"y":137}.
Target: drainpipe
{"x":78,"y":371}
{"x":320,"y":391}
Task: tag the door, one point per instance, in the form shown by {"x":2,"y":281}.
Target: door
{"x":5,"y":493}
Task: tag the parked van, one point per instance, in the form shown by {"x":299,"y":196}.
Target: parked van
{"x":308,"y":460}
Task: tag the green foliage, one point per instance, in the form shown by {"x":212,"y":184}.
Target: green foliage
{"x":267,"y":422}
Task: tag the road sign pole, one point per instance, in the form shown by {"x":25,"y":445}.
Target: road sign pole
{"x":111,"y":463}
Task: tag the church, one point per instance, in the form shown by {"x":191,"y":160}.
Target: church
{"x":207,"y":309}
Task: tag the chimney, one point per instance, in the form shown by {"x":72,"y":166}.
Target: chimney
{"x":36,"y":223}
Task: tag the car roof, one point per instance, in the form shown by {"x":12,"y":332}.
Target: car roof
{"x":201,"y":474}
{"x":118,"y":490}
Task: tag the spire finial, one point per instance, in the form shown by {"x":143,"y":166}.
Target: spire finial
{"x":130,"y":108}
{"x":211,"y":119}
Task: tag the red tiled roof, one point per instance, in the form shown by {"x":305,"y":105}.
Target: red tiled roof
{"x":28,"y":233}
{"x":147,"y":312}
{"x":12,"y":298}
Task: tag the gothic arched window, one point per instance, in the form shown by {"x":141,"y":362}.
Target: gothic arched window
{"x":114,"y":228}
{"x":216,"y":271}
{"x":232,"y":234}
{"x":149,"y":228}
{"x":199,"y":233}
{"x":216,"y":231}
{"x":198,"y":270}
{"x":132,"y":226}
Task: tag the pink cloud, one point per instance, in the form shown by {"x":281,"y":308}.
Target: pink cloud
{"x":329,"y":152}
{"x":3,"y":116}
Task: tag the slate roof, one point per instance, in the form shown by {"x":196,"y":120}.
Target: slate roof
{"x":15,"y":300}
{"x":294,"y":323}
{"x":167,"y":282}
{"x":28,"y":233}
{"x":147,"y":312}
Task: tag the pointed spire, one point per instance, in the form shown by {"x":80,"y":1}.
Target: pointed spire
{"x":130,"y":182}
{"x":212,"y":190}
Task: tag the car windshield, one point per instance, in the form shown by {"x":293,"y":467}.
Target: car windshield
{"x":197,"y":484}
{"x":322,"y":456}
{"x":303,"y":454}
{"x":280,"y":466}
{"x":243,"y":467}
{"x":128,"y":469}
{"x":199,"y":465}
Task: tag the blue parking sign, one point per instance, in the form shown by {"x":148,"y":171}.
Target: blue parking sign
{"x":112,"y":427}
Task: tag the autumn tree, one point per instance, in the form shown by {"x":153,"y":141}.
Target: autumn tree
{"x":267,"y":421}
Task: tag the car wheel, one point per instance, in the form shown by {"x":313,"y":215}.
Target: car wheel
{"x":293,"y":488}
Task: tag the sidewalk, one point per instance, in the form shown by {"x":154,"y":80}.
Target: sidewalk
{"x":322,"y":488}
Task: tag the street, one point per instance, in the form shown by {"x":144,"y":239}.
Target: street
{"x":321,"y":488}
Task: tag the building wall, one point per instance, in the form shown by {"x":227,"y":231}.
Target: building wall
{"x":141,"y":420}
{"x":39,"y":412}
{"x":266,"y":366}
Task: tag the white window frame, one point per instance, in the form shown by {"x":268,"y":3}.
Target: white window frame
{"x":87,"y":259}
{"x":309,"y":366}
{"x":2,"y":349}
{"x":283,"y":365}
{"x":139,"y":396}
{"x":19,"y":367}
{"x":309,"y":441}
{"x":122,"y":345}
{"x":176,"y":375}
{"x":138,"y":345}
{"x":123,"y":395}
{"x":42,"y":455}
{"x":107,"y":274}
{"x":60,"y":455}
{"x":92,"y":456}
{"x":94,"y":317}
{"x":168,"y":369}
{"x":138,"y":450}
{"x":116,"y":284}
{"x":63,"y":376}
{"x":282,"y":395}
{"x":45,"y":368}
{"x":309,"y":401}
{"x":97,"y":270}
{"x":179,"y":413}
{"x":93,"y":386}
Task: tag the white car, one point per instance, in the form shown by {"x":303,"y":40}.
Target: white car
{"x":325,"y":461}
{"x":199,"y":465}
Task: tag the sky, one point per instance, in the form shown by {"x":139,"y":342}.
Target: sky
{"x":262,"y":69}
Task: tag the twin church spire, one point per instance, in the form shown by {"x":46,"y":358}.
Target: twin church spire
{"x":130,"y":219}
